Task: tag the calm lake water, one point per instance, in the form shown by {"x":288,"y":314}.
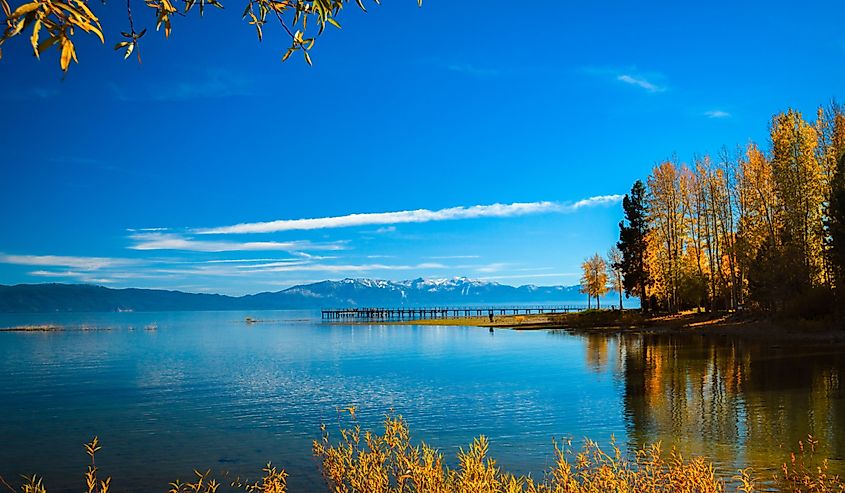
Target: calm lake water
{"x":206,"y":390}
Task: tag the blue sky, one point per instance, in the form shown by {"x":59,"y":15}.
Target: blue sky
{"x":129,"y":175}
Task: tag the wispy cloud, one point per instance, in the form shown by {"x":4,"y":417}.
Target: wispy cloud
{"x":448,"y":257}
{"x":531,"y":276}
{"x":413,"y":216}
{"x":169,"y":241}
{"x":717,"y":114}
{"x":211,"y":84}
{"x":491,"y":268}
{"x":112,"y":276}
{"x":30,"y":93}
{"x":386,"y":229}
{"x":249,"y":270}
{"x":51,"y":273}
{"x":470,"y":69}
{"x":351,"y":267}
{"x":598,"y":200}
{"x":640,"y":82}
{"x":83,"y":263}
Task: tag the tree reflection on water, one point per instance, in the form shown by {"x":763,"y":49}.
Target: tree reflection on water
{"x":740,"y":402}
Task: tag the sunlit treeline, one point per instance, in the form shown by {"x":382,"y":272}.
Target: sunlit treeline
{"x":756,"y":225}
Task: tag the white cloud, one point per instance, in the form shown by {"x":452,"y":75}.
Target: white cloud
{"x":250,"y":271}
{"x":717,"y":114}
{"x":413,"y":216}
{"x":641,"y":82}
{"x":244,"y":260}
{"x":348,"y":267}
{"x":530,"y":276}
{"x":598,"y":200}
{"x":162,"y":241}
{"x":50,"y":273}
{"x":491,"y":268}
{"x":83,"y":263}
{"x":386,"y":229}
{"x":449,"y":257}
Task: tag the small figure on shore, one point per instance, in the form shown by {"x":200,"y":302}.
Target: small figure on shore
{"x":490,"y":314}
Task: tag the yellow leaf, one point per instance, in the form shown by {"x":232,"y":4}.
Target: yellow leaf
{"x":287,"y":54}
{"x":34,"y":38}
{"x":307,"y":57}
{"x":18,"y":27}
{"x":99,"y":34}
{"x":25,"y":9}
{"x":67,"y":53}
{"x":87,"y":11}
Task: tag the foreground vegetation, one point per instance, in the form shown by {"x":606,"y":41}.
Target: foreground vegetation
{"x":389,"y":462}
{"x":53,"y":23}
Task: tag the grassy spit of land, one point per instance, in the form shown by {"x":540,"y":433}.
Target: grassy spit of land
{"x":632,"y":321}
{"x":32,"y":328}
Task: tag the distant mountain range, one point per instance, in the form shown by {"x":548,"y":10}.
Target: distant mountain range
{"x":31,"y":298}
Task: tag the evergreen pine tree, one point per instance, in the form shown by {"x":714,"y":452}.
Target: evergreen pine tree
{"x":633,"y":244}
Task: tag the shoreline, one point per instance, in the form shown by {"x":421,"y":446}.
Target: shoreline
{"x":613,"y":322}
{"x":33,"y":328}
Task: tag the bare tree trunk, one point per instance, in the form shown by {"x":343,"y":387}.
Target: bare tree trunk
{"x":620,"y":294}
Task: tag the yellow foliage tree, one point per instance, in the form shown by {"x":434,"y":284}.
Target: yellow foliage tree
{"x":750,"y":222}
{"x":800,"y":188}
{"x":667,"y":214}
{"x":594,"y":279}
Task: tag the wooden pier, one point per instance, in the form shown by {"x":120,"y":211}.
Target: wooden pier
{"x":421,"y":313}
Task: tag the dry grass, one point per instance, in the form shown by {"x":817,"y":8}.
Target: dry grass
{"x":363,"y":461}
{"x":388,"y":462}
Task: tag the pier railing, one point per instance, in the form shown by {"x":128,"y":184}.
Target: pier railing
{"x":424,"y":313}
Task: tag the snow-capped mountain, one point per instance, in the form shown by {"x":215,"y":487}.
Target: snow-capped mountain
{"x":450,"y":291}
{"x":325,"y":294}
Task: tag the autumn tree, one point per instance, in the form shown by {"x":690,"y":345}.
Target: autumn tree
{"x":766,"y":227}
{"x":594,"y":279}
{"x":614,"y":272}
{"x":799,"y":186}
{"x":633,"y":244}
{"x":53,"y":23}
{"x":666,"y":214}
{"x":836,"y":227}
{"x":830,"y":127}
{"x":758,"y":224}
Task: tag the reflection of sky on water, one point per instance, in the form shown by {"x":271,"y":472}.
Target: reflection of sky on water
{"x":205,"y":389}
